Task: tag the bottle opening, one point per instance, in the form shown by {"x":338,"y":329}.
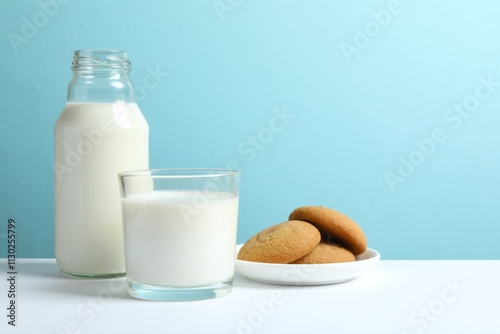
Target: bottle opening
{"x":92,"y":60}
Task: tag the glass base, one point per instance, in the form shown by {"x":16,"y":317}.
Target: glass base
{"x":176,"y":294}
{"x":94,"y":276}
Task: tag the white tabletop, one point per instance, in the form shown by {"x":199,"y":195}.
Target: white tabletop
{"x":394,"y":297}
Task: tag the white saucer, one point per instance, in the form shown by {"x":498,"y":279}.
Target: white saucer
{"x":307,"y":274}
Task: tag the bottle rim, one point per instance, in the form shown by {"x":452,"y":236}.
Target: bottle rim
{"x":100,"y":59}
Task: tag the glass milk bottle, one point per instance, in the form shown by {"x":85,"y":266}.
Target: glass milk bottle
{"x":100,"y":132}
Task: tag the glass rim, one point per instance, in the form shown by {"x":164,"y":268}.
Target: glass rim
{"x":179,"y":173}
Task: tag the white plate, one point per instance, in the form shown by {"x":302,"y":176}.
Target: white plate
{"x":307,"y":274}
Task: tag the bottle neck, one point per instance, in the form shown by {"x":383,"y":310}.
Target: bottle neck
{"x":100,"y":76}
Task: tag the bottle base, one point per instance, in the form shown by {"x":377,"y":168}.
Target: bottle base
{"x":93,"y":276}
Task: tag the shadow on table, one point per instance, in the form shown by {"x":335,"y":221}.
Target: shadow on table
{"x":106,"y":289}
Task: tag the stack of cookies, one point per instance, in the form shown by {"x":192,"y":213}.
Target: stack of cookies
{"x":312,"y":235}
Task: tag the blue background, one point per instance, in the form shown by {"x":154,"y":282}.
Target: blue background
{"x":363,"y":86}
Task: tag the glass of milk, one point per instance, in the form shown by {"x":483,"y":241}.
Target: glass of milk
{"x":179,"y":228}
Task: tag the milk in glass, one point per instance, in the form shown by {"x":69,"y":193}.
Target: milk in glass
{"x":174,"y":242}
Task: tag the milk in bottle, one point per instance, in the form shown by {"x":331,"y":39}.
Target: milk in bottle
{"x":100,"y":132}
